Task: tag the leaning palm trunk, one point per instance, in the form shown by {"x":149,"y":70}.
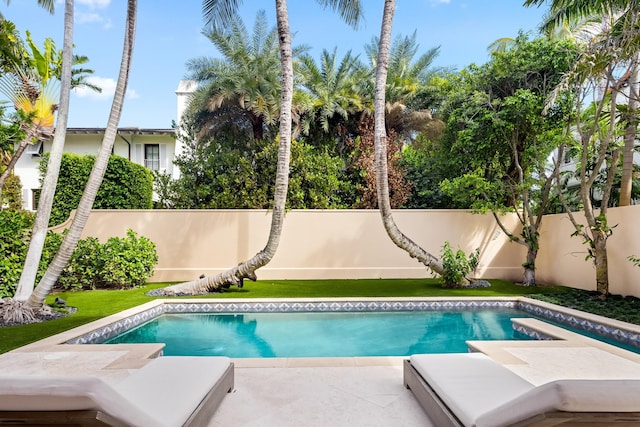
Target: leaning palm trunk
{"x":39,"y":231}
{"x":70,"y":241}
{"x":380,"y":138}
{"x":236,"y":275}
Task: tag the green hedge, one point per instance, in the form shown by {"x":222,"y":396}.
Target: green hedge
{"x":126,"y":185}
{"x":119,"y":263}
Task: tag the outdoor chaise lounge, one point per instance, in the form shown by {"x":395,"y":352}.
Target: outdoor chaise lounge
{"x":472,"y":390}
{"x":168,"y":392}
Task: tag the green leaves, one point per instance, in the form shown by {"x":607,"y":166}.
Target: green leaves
{"x":457,"y":265}
{"x":126,"y":185}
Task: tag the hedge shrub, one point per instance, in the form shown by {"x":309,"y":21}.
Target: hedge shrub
{"x":119,"y":263}
{"x":126,"y":185}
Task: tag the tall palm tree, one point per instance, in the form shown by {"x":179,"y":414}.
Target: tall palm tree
{"x":220,"y":13}
{"x":18,"y":310}
{"x":244,"y":83}
{"x":70,"y":241}
{"x":401,"y":240}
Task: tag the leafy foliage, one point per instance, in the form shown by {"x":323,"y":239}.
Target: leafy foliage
{"x":126,"y":185}
{"x":119,"y":263}
{"x":227,"y":173}
{"x":15,"y":229}
{"x":457,"y":265}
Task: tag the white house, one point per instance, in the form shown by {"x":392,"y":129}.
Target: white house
{"x":152,"y":148}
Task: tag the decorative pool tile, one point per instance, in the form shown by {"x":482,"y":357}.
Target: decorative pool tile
{"x":533,"y":333}
{"x":621,"y":335}
{"x":102,"y":334}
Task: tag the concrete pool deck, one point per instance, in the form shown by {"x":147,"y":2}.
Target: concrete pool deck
{"x":359,"y":391}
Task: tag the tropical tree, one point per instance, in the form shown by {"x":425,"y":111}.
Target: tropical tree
{"x":31,"y":82}
{"x":70,"y":241}
{"x":407,"y":113}
{"x":499,"y":141}
{"x":597,"y":125}
{"x":401,"y":240}
{"x":337,"y":91}
{"x":220,"y":12}
{"x":15,"y":308}
{"x":620,"y":20}
{"x":242,"y":88}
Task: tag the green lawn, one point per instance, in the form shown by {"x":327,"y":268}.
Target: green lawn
{"x":93,"y":305}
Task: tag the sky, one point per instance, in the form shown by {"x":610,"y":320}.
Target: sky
{"x":169,"y":33}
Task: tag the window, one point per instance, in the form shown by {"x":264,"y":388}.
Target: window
{"x":152,"y":156}
{"x":35,"y":198}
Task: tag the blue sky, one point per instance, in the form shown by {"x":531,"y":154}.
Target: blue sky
{"x":169,"y":34}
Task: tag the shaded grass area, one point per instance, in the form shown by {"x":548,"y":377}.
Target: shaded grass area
{"x":626,"y":309}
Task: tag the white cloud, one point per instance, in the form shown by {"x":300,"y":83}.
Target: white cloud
{"x":92,"y":18}
{"x":108,"y":86}
{"x":95,"y":4}
{"x":437,"y":2}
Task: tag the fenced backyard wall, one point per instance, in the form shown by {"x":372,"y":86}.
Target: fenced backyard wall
{"x":328,"y":244}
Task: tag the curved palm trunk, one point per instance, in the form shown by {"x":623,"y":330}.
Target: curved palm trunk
{"x":236,"y":275}
{"x":380,"y":138}
{"x":70,"y":241}
{"x":630,"y":136}
{"x":39,"y":231}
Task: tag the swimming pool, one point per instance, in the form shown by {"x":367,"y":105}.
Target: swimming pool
{"x":336,"y":334}
{"x":618,"y":333}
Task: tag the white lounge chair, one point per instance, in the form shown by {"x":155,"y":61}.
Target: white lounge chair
{"x":472,"y":390}
{"x":167,"y":392}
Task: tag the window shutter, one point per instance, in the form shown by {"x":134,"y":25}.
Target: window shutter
{"x":163,"y":157}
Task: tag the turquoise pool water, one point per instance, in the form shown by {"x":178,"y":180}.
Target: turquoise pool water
{"x":312,"y":334}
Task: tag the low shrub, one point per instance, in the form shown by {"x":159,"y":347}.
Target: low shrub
{"x":457,"y":265}
{"x":119,"y":263}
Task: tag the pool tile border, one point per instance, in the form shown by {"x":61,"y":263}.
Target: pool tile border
{"x":101,"y":334}
{"x":613,"y":332}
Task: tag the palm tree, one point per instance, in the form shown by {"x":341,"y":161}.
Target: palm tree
{"x":15,"y":309}
{"x":49,"y":5}
{"x":402,"y":241}
{"x":242,"y":87}
{"x":336,"y":88}
{"x":405,"y":75}
{"x":32,"y":83}
{"x":70,"y":241}
{"x":220,"y":13}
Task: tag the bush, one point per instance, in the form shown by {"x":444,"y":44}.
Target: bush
{"x":456,"y":265}
{"x":15,"y":228}
{"x":126,"y":185}
{"x":119,"y":263}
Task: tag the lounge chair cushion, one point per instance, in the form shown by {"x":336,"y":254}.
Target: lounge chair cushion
{"x":470,"y":383}
{"x":186,"y":382}
{"x":163,"y":393}
{"x":483,"y":393}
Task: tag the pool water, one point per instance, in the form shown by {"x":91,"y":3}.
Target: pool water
{"x":311,"y":334}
